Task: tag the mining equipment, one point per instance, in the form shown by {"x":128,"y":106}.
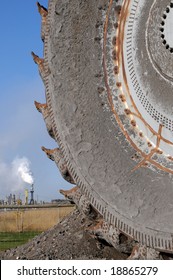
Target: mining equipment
{"x":107,"y":70}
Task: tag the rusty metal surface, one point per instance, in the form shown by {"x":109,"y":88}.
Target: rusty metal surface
{"x":102,"y":87}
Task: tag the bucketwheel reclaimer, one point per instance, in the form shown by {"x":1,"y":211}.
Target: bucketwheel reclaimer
{"x":108,"y":74}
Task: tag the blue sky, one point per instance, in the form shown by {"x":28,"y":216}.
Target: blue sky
{"x":22,"y":129}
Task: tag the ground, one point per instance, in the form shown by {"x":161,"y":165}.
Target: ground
{"x":65,"y":241}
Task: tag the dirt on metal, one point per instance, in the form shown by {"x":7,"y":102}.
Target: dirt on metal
{"x":108,"y":82}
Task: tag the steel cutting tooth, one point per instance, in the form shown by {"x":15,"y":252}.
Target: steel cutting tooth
{"x":142,"y":252}
{"x":49,"y":153}
{"x":96,"y":230}
{"x":76,"y":196}
{"x":72,"y":194}
{"x":111,"y":235}
{"x":39,"y":61}
{"x":42,"y":70}
{"x":43,"y":12}
{"x":57,"y":156}
{"x":43,"y":108}
{"x":106,"y":231}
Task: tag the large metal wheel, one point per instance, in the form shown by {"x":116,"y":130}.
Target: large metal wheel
{"x":109,"y":94}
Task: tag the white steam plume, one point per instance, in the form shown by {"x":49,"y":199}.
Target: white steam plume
{"x":14,"y":176}
{"x":24,"y":170}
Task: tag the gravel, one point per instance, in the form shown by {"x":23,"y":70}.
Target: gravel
{"x":65,"y":241}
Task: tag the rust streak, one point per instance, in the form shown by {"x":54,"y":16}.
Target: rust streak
{"x":119,"y":42}
{"x":120,"y":55}
{"x":148,"y":157}
{"x":107,"y":85}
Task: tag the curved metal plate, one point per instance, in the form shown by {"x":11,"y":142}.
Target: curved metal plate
{"x":102,"y":74}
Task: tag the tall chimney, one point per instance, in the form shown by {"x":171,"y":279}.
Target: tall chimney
{"x":32,"y":195}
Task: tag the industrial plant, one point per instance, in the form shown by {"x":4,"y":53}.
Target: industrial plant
{"x":15,"y":199}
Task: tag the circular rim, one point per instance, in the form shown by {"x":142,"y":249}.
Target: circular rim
{"x":155,"y":238}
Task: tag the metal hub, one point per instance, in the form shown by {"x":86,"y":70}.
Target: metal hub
{"x":160,"y":39}
{"x":166,"y":28}
{"x":145,"y":66}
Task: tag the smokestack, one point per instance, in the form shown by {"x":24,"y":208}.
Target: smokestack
{"x":14,"y":199}
{"x":26,"y":196}
{"x":32,"y":195}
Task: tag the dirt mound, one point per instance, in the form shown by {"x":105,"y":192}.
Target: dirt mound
{"x":67,"y":240}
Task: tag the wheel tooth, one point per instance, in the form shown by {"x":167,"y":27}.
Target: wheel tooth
{"x":35,"y":57}
{"x":40,"y":62}
{"x":142,"y":252}
{"x":43,"y":108}
{"x":57,"y":156}
{"x":40,"y":107}
{"x":43,"y":12}
{"x":96,"y":229}
{"x":49,"y":153}
{"x":75,"y":196}
{"x":106,"y":231}
{"x":70,"y":194}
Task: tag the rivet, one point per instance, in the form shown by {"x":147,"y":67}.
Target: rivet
{"x":116,"y":70}
{"x":159,"y":152}
{"x":114,"y":55}
{"x":133,"y":123}
{"x":114,"y":41}
{"x":97,"y":39}
{"x":149,"y":144}
{"x":135,"y":156}
{"x":170,"y":158}
{"x":116,"y":25}
{"x":118,"y":84}
{"x":118,"y":9}
{"x":127,"y":111}
{"x":122,"y":97}
{"x":100,"y":89}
